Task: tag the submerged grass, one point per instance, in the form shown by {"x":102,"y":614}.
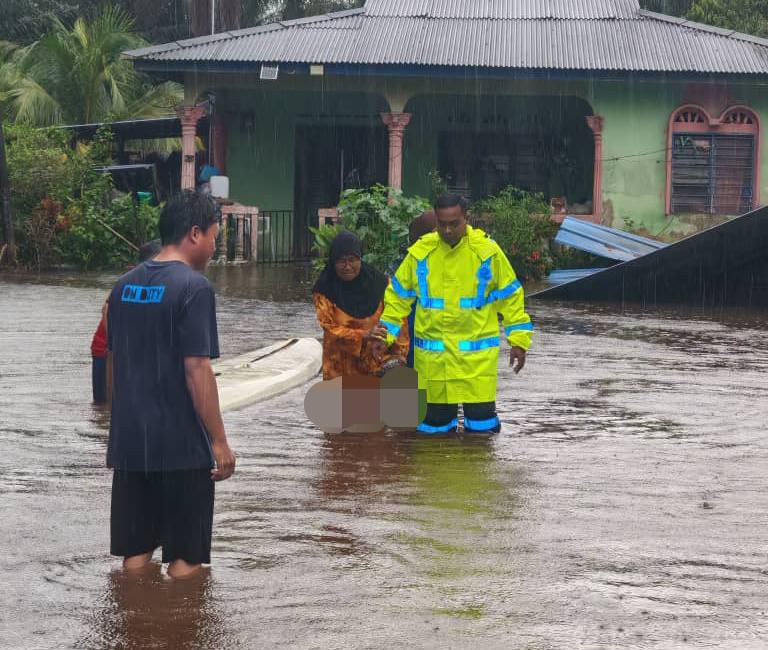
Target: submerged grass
{"x":472,"y":612}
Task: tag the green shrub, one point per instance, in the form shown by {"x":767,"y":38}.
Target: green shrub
{"x":437,"y":185}
{"x":380,"y":216}
{"x":40,"y":167}
{"x":519,"y":221}
{"x":61,"y":202}
{"x":88,"y":243}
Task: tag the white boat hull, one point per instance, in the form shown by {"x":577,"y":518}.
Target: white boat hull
{"x":266,"y":373}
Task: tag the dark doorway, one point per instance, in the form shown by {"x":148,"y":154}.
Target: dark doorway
{"x":329,"y":159}
{"x":539,"y":144}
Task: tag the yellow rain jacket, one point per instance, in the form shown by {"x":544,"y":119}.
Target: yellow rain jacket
{"x":460,"y":292}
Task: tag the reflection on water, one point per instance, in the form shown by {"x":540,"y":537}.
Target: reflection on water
{"x":354,"y":466}
{"x":458,"y":496}
{"x":623,"y":505}
{"x":149,"y":610}
{"x":274,"y":283}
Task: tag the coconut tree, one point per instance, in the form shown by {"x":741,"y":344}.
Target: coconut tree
{"x":77,"y":75}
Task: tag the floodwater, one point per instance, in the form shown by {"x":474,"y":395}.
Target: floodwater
{"x":623,"y":506}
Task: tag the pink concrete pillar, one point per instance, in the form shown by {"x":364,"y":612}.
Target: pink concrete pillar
{"x":595,"y":123}
{"x":396,"y":123}
{"x":190,"y":116}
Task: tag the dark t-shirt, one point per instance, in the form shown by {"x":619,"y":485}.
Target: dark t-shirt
{"x":159,"y":313}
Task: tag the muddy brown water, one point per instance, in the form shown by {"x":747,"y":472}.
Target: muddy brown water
{"x":623,"y":506}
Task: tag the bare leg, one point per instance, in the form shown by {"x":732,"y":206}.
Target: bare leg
{"x":179,"y":569}
{"x":137,"y":562}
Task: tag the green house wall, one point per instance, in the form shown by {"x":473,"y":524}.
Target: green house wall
{"x":263,"y":118}
{"x":261,"y":137}
{"x":634,"y":148}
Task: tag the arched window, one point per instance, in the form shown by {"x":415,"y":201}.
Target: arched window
{"x":690,"y":115}
{"x":741,"y":116}
{"x":712,"y":163}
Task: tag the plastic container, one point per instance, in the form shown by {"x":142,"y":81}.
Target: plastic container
{"x":220,"y":186}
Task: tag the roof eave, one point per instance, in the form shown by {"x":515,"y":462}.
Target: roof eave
{"x":378,"y":69}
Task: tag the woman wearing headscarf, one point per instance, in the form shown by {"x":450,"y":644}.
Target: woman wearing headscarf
{"x":348,"y":299}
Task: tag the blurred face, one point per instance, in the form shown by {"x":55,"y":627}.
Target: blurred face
{"x":348,"y":267}
{"x":204,"y":245}
{"x":451,"y":224}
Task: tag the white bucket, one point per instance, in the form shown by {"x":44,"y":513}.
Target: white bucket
{"x":220,"y":186}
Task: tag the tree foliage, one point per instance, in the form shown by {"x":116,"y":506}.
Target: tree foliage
{"x":77,"y":76}
{"x":668,"y":7}
{"x":748,"y":16}
{"x":158,"y":21}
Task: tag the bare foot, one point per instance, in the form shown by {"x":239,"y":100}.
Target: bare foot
{"x":179,"y":569}
{"x":137,"y":562}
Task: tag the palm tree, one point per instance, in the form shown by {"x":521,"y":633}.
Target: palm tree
{"x":77,"y":76}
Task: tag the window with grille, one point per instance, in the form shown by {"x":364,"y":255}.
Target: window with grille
{"x":712,"y":174}
{"x":712,"y":162}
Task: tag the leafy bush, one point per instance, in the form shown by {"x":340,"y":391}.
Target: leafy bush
{"x":40,"y":232}
{"x":61,"y":202}
{"x":39,"y":166}
{"x":437,"y":185}
{"x":519,"y":221}
{"x":380,"y":216}
{"x":86,"y":239}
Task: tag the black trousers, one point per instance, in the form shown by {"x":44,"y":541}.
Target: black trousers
{"x":99,"y":379}
{"x":478,"y":418}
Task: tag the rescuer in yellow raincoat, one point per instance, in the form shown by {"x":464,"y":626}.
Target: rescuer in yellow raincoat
{"x":461,"y":282}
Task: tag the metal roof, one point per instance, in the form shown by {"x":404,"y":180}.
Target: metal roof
{"x":608,"y":35}
{"x":725,"y":266}
{"x":563,"y":276}
{"x":604,"y":241}
{"x":504,"y":9}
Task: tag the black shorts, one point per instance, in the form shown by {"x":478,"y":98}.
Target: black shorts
{"x":169,"y":509}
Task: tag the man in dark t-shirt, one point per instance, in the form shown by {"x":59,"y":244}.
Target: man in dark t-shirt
{"x":167,"y":443}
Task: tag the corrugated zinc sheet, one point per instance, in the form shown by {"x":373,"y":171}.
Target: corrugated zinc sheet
{"x":641,"y":44}
{"x":505,"y":9}
{"x":603,"y":241}
{"x":563,"y":276}
{"x":721,"y":268}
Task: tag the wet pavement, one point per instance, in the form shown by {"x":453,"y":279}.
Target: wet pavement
{"x":624,"y":504}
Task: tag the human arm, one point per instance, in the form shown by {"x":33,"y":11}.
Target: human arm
{"x":401,"y":345}
{"x":397,"y":352}
{"x":510,"y":304}
{"x":398,"y":300}
{"x":201,"y":384}
{"x":345,"y":338}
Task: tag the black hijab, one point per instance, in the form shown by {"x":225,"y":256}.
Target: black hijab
{"x":359,"y":298}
